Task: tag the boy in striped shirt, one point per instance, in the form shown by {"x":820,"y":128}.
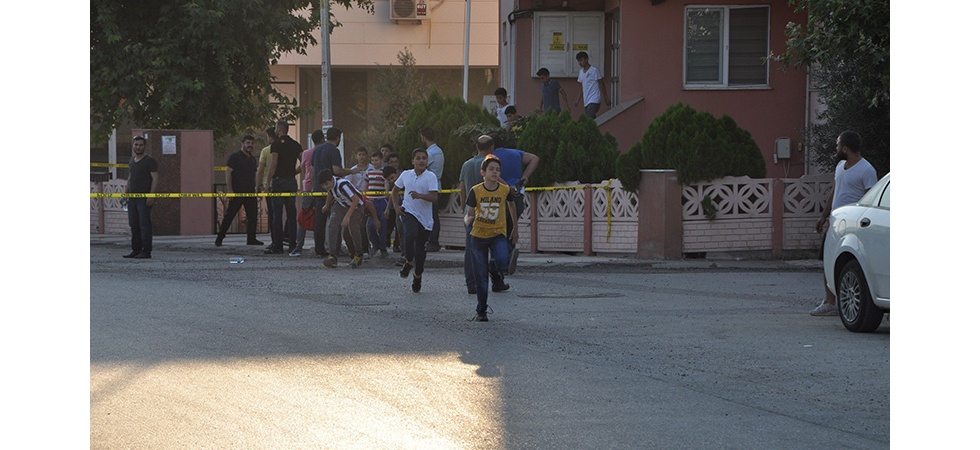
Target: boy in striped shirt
{"x":377,"y":182}
{"x":346,"y":213}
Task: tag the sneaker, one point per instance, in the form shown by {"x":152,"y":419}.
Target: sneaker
{"x":481,"y":316}
{"x":417,"y":283}
{"x":824,"y":309}
{"x":218,"y":240}
{"x":296,"y":252}
{"x":372,"y":252}
{"x":512,"y":268}
{"x":406,"y":269}
{"x":142,"y":256}
{"x":254,"y":242}
{"x":273,"y":251}
{"x":498,"y":284}
{"x":330,"y":262}
{"x":355,"y":262}
{"x":131,"y":254}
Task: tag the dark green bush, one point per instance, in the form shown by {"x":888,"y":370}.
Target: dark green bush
{"x":698,"y":146}
{"x":570,"y":150}
{"x":445,"y":115}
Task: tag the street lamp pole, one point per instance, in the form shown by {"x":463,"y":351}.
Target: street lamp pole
{"x":327,"y":108}
{"x":466,"y":51}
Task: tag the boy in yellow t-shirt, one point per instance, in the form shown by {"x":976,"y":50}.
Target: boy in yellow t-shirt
{"x":484,"y":212}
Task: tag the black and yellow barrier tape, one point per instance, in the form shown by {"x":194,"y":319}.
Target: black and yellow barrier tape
{"x":605,"y":186}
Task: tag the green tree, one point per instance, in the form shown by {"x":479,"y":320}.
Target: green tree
{"x":446,"y":116}
{"x":395,"y":91}
{"x":200,"y":64}
{"x":570,"y":150}
{"x":845,"y":44}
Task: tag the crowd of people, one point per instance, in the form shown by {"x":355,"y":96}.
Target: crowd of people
{"x":372,"y":206}
{"x":369,"y":207}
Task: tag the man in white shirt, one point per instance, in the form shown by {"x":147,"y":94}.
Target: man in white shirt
{"x":437,"y":160}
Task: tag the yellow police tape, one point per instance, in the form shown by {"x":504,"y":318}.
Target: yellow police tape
{"x":126,"y":166}
{"x":606,"y":187}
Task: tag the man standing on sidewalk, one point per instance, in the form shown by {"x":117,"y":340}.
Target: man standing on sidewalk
{"x":306,"y":181}
{"x":282,"y":165}
{"x":436,"y":162}
{"x":142,"y":180}
{"x":853,"y":176}
{"x":240,"y":172}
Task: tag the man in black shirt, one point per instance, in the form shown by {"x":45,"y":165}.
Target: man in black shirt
{"x":142,"y":180}
{"x":240,"y":178}
{"x":283,"y":167}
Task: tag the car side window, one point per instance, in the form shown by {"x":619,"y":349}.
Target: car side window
{"x":886,"y":197}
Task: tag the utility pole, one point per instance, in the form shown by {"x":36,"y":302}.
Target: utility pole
{"x":466,"y":51}
{"x":327,"y":108}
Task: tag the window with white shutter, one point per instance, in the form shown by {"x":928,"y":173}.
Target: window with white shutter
{"x":726,"y":47}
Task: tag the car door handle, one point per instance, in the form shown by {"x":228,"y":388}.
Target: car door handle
{"x":865,"y":222}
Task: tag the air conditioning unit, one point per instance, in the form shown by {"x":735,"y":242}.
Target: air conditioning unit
{"x":409,"y":10}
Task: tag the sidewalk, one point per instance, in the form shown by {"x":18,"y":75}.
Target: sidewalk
{"x":235,"y":244}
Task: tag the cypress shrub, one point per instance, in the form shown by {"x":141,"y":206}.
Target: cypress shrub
{"x":445,"y":115}
{"x":700,"y":147}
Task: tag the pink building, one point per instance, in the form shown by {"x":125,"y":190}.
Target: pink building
{"x":656,"y":53}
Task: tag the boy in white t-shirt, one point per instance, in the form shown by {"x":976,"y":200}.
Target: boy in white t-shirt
{"x":421,"y":190}
{"x":592,"y":86}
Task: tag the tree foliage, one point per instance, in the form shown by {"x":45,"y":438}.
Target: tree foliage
{"x":201,"y":64}
{"x":570,"y":150}
{"x":396,"y":90}
{"x":445,"y":115}
{"x":845,"y":44}
{"x":697,"y":145}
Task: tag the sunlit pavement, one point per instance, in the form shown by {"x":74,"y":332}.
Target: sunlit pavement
{"x":190,"y":351}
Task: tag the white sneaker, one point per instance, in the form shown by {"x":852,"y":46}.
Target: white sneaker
{"x":297,"y":252}
{"x":824,"y":309}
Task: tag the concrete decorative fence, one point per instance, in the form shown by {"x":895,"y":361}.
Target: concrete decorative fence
{"x":751,"y":215}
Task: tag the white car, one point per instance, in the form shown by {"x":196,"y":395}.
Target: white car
{"x":856,"y":258}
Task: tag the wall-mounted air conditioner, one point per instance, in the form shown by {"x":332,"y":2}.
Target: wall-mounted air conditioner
{"x":409,"y":10}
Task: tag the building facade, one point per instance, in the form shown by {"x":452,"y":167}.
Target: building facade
{"x":652,"y":54}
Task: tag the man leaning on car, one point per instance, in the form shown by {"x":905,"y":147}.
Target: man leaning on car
{"x":853,"y":176}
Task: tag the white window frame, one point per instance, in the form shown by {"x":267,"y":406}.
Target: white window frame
{"x":724,"y":60}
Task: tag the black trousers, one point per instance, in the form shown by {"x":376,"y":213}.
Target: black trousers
{"x":235,"y":204}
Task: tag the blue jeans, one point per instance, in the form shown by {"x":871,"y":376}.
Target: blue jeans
{"x":278,"y":221}
{"x":468,"y":261}
{"x":496,"y":248}
{"x":140,"y":225}
{"x":416,"y":236}
{"x":306,"y":202}
{"x":376,"y":237}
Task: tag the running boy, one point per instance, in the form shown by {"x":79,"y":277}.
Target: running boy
{"x":346,"y":213}
{"x":421,"y":190}
{"x":483,"y":212}
{"x":377,"y":182}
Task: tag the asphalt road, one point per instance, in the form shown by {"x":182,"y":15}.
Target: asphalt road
{"x":189,"y":351}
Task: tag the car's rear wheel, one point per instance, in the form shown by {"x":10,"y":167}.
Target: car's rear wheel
{"x":854,"y":303}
